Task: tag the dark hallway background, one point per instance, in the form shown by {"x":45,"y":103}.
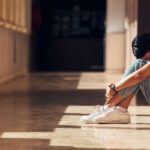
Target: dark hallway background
{"x":68,"y":35}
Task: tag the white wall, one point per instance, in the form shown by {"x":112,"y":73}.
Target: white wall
{"x":115,"y":36}
{"x":115,"y":16}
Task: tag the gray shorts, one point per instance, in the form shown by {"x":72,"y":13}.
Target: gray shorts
{"x":144,"y":86}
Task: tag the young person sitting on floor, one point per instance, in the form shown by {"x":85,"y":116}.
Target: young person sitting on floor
{"x":119,"y":95}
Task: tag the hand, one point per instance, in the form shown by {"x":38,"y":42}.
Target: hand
{"x":109,"y":92}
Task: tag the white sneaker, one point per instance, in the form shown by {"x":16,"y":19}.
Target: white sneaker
{"x":89,"y":118}
{"x":112,"y":115}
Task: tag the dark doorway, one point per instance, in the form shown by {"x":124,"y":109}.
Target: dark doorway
{"x":70,"y":36}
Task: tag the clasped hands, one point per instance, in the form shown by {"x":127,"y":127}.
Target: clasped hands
{"x":109,"y":91}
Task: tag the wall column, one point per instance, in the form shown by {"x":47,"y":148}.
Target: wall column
{"x":115,"y":36}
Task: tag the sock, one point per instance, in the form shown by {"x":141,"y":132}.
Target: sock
{"x":121,"y":109}
{"x":106,"y":107}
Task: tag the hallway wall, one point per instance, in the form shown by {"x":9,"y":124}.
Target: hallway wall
{"x":14,"y":50}
{"x":15,"y":29}
{"x":115,"y":36}
{"x":131,"y":26}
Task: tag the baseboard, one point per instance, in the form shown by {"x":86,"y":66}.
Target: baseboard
{"x":13,"y":76}
{"x":115,"y":71}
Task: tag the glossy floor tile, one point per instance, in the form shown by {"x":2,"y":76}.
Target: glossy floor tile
{"x":42,"y":112}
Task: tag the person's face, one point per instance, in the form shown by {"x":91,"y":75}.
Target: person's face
{"x":146,"y":56}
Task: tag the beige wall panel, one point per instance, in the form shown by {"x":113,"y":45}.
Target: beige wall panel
{"x":12,"y":12}
{"x":16,"y":15}
{"x":28,"y":16}
{"x":2,"y":52}
{"x":115,"y":16}
{"x":18,"y":12}
{"x":1,"y":10}
{"x":22,"y":13}
{"x":115,"y":36}
{"x":131,"y":29}
{"x":13,"y":53}
{"x":115,"y":52}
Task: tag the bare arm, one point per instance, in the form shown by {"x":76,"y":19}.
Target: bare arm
{"x":134,"y":77}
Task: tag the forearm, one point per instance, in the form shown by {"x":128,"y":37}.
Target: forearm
{"x":134,"y":78}
{"x":130,"y":80}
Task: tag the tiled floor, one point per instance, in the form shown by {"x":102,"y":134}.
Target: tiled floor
{"x":42,"y":112}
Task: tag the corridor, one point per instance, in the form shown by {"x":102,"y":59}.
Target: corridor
{"x":42,"y":112}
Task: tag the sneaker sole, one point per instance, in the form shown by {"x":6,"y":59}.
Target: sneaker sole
{"x":88,"y":122}
{"x":113,"y":121}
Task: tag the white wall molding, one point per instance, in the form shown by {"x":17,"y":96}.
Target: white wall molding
{"x":10,"y":77}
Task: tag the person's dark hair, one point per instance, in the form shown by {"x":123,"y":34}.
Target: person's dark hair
{"x":141,"y":44}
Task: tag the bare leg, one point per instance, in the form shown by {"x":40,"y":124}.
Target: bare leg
{"x":118,"y":101}
{"x":125,"y":102}
{"x":114,"y":100}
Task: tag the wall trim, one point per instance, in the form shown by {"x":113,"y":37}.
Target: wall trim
{"x":8,"y":78}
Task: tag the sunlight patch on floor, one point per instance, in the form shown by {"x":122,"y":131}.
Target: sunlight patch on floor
{"x":102,"y":138}
{"x":27,"y":135}
{"x":70,"y":132}
{"x":97,"y":80}
{"x":114,"y":136}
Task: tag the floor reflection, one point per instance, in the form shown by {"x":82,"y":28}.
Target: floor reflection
{"x":43,"y":112}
